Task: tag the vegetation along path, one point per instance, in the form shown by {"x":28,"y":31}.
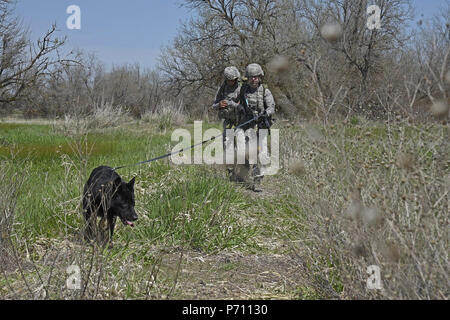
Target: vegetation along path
{"x":200,"y":236}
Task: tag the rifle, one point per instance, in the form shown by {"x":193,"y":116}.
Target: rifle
{"x":264,"y":121}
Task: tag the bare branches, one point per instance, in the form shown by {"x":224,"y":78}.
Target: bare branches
{"x":239,"y":32}
{"x":21,"y":63}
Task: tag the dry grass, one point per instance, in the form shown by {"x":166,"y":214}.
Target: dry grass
{"x":350,"y":196}
{"x":40,"y":267}
{"x":8,"y":202}
{"x":167,"y":116}
{"x":103,"y":115}
{"x":375,"y":195}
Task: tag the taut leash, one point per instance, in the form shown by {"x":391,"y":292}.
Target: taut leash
{"x":189,"y":148}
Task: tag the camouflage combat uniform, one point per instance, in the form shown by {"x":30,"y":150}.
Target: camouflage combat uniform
{"x":258,"y":101}
{"x":229,"y":114}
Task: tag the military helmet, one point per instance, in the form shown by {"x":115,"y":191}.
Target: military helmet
{"x":231,"y":73}
{"x":254,"y":70}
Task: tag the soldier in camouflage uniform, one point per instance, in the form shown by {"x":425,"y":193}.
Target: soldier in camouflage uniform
{"x":227,"y":103}
{"x":227,"y":98}
{"x":256,"y":99}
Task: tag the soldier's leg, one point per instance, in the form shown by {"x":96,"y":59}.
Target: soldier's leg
{"x":241,"y":172}
{"x":239,"y":168}
{"x":249,"y":168}
{"x":228,"y":143}
{"x":255,"y":174}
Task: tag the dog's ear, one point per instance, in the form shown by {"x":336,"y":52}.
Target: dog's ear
{"x":131,"y":183}
{"x":118,"y":181}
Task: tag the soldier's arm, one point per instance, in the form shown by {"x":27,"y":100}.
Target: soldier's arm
{"x":269,"y":102}
{"x":237,"y":102}
{"x":217,"y":100}
{"x":233,"y":105}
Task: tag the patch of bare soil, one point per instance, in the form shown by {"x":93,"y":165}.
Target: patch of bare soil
{"x":237,"y":276}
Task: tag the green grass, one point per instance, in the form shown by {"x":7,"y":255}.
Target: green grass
{"x":179,"y":205}
{"x":280,"y":218}
{"x":190,"y":207}
{"x":57,"y":167}
{"x":194,"y":208}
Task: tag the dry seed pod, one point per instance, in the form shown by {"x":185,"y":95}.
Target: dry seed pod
{"x":354,"y":210}
{"x":439,"y":109}
{"x":390,"y":252}
{"x":278,"y":64}
{"x":331,"y":31}
{"x":405,"y":160}
{"x":371,"y":216}
{"x":297,"y":168}
{"x":314,"y":134}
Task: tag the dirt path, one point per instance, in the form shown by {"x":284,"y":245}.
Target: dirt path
{"x":230,"y":275}
{"x":238,"y":275}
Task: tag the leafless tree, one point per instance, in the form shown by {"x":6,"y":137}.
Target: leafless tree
{"x":239,"y":32}
{"x":433,"y":50}
{"x":361,"y":54}
{"x":22,"y":63}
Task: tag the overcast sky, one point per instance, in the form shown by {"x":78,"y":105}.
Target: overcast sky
{"x":129,"y":31}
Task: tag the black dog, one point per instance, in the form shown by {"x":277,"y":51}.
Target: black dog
{"x":107,"y":196}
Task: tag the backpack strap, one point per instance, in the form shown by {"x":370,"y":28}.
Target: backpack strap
{"x":222,"y":90}
{"x":261,"y":98}
{"x":242,"y":99}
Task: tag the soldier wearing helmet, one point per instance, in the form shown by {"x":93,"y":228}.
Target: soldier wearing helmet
{"x":227,"y":101}
{"x":227,"y":97}
{"x":256,"y":100}
{"x":255,"y":96}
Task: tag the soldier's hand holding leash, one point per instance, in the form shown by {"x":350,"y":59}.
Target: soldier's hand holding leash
{"x":223,"y":104}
